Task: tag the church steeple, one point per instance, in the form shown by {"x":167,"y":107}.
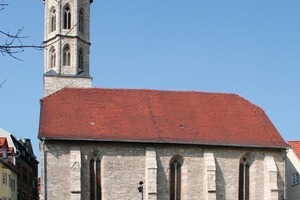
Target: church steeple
{"x":67,"y":44}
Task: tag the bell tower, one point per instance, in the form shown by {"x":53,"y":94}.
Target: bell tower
{"x":67,"y":45}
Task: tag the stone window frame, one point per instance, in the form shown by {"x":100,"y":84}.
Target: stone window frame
{"x":244,"y":178}
{"x":66,"y":55}
{"x":67,"y":17}
{"x":95,"y":178}
{"x":81,"y":20}
{"x":52,"y":57}
{"x":80,"y":60}
{"x":175,"y":177}
{"x":52,"y":19}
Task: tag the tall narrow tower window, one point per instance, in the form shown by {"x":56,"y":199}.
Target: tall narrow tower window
{"x":66,"y":56}
{"x":67,"y":17}
{"x":80,"y":60}
{"x":95,"y":179}
{"x":244,"y":178}
{"x":175,"y":178}
{"x":81,"y":21}
{"x":53,"y":20}
{"x":52,"y":57}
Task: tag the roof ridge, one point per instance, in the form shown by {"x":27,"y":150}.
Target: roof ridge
{"x":150,"y":90}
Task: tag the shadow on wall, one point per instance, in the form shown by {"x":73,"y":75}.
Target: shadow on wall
{"x":220,"y":182}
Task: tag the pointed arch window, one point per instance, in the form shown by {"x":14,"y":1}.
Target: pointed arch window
{"x":95,"y":179}
{"x":81,"y":20}
{"x":53,"y":20}
{"x":244,"y":178}
{"x":67,"y":17}
{"x":175,"y":177}
{"x":80,"y":59}
{"x":66,"y":55}
{"x":52,"y":57}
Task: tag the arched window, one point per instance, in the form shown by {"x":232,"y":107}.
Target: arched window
{"x":66,"y":55}
{"x":81,"y":20}
{"x":52,"y":57}
{"x":244,"y":178}
{"x":67,"y":17}
{"x":53,"y":20}
{"x":95,"y":179}
{"x":80,"y":59}
{"x":175,"y":177}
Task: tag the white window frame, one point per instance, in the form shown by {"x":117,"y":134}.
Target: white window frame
{"x":295,"y":178}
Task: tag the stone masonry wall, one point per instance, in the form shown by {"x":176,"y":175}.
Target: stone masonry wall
{"x":124,"y":165}
{"x":56,"y":83}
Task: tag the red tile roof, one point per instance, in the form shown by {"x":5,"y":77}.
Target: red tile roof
{"x":296,"y":147}
{"x":3,"y":142}
{"x":128,"y":115}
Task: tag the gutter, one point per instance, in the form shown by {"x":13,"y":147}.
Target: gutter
{"x":162,"y":142}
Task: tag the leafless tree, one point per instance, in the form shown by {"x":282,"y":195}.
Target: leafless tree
{"x":11,"y":43}
{"x":1,"y":84}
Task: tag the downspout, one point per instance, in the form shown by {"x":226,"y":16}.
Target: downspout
{"x":44,"y":176}
{"x":284,"y":175}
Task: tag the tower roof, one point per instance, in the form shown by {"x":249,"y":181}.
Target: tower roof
{"x":155,"y":116}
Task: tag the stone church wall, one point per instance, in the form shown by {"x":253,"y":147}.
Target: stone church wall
{"x":207,"y":172}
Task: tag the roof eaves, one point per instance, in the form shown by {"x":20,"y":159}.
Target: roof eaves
{"x":167,"y":142}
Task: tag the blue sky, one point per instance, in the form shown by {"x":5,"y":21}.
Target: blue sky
{"x":251,"y":48}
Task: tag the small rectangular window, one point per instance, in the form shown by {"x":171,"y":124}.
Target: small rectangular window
{"x":295,"y":178}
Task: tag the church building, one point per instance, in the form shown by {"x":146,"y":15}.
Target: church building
{"x":132,"y":144}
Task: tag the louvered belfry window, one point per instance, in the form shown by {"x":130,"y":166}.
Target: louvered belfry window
{"x":53,"y":20}
{"x":66,"y":55}
{"x":81,"y":20}
{"x":67,"y":17}
{"x":52,"y":57}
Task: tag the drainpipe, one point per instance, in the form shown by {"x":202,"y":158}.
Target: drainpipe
{"x":44,"y":197}
{"x":284,"y":175}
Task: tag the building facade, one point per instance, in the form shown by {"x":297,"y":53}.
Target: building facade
{"x":27,"y":165}
{"x":9,"y":177}
{"x":293,"y":170}
{"x":22,"y":158}
{"x":126,"y":144}
{"x":9,"y":174}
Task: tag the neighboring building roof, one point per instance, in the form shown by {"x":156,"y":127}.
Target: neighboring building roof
{"x":3,"y":142}
{"x":132,"y":115}
{"x":295,"y":146}
{"x":7,"y":135}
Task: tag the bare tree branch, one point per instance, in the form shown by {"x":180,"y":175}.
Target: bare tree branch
{"x":2,"y":83}
{"x":2,"y":5}
{"x":14,"y":45}
{"x":11,"y":44}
